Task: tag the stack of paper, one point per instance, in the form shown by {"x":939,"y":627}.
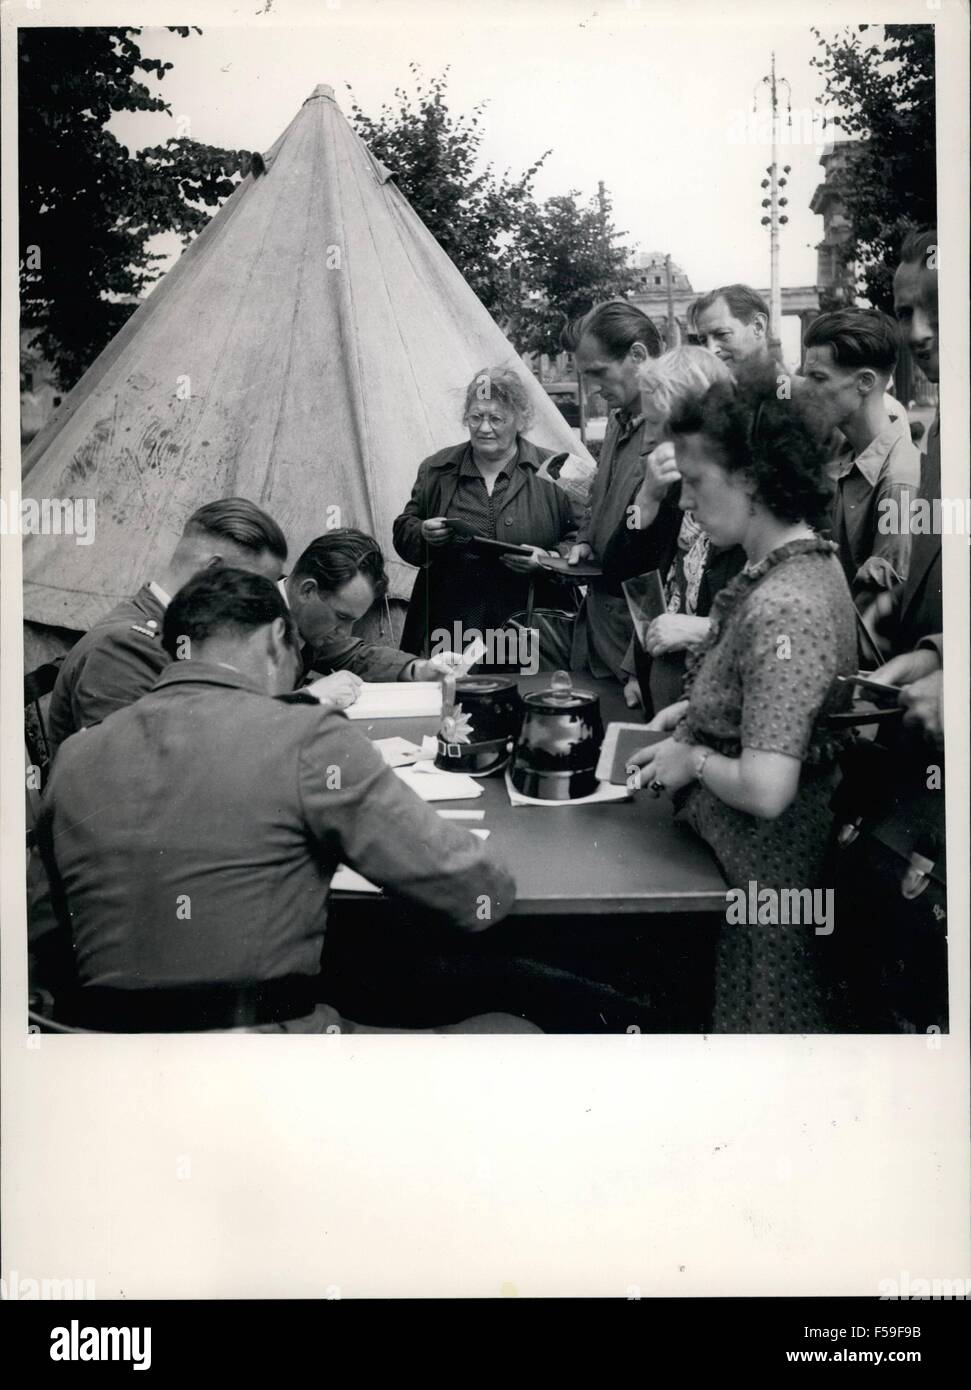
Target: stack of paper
{"x":432,"y":785}
{"x":398,"y":752}
{"x":392,"y":699}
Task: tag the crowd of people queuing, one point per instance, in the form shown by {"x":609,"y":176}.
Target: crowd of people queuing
{"x":759,"y":498}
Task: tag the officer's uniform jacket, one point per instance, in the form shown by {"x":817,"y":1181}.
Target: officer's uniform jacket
{"x":192,"y":837}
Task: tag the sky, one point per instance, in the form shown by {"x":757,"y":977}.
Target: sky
{"x":657,"y":111}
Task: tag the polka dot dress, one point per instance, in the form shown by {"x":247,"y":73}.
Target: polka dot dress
{"x":781,"y":632}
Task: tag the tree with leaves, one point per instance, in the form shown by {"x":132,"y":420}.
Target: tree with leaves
{"x":880,"y":79}
{"x":473,"y":213}
{"x":567,"y":261}
{"x":533,"y":266}
{"x":88,"y":207}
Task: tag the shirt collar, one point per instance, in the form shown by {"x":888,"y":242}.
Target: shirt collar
{"x":525,"y":454}
{"x":163,"y":598}
{"x":281,"y":584}
{"x":627,"y":423}
{"x":207,"y":673}
{"x":871,"y":460}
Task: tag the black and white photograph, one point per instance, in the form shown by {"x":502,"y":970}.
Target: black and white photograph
{"x":487,"y":535}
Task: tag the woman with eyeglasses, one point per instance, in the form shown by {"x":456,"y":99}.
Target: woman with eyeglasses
{"x":489,"y":486}
{"x":749,"y":764}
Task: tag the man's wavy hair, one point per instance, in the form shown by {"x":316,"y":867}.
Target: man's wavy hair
{"x":337,"y":556}
{"x":779,"y":444}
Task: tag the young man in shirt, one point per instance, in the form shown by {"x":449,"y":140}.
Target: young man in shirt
{"x":850,"y":359}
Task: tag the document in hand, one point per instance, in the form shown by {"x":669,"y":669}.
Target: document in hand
{"x":645,"y":599}
{"x":394,"y":700}
{"x":620,"y":741}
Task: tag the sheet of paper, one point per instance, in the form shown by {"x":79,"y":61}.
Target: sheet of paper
{"x":347,"y":880}
{"x":432,"y":785}
{"x":645,"y":599}
{"x":397,"y":752}
{"x":396,"y":700}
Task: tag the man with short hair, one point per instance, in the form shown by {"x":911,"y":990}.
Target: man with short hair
{"x":850,"y":358}
{"x":611,"y":343}
{"x":732,"y":321}
{"x":892,"y":882}
{"x":121,"y":657}
{"x":916,"y":608}
{"x":332,"y":586}
{"x":191,"y":839}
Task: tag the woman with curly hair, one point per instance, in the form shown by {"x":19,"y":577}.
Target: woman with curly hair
{"x":748,"y":764}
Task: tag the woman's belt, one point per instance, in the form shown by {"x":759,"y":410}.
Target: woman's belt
{"x":190,"y":1008}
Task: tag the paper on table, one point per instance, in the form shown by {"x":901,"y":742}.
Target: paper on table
{"x":432,"y":785}
{"x":395,"y":700}
{"x":347,"y":880}
{"x":604,"y":793}
{"x":396,"y":751}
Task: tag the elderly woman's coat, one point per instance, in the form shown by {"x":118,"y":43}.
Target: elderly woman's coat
{"x":453,"y":584}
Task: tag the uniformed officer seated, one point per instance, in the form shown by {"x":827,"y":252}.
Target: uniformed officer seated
{"x":191,"y":838}
{"x":122,"y":655}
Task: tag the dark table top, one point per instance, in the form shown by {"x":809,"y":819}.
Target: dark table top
{"x":623,"y":857}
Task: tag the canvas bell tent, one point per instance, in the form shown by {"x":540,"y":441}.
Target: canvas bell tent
{"x":307,"y":350}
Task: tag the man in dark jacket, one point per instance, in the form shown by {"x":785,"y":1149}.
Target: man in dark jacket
{"x":892,"y":891}
{"x":612,"y":343}
{"x":191,"y":838}
{"x":122,"y":655}
{"x":334,"y":583}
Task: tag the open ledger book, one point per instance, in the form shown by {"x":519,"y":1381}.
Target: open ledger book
{"x":392,"y":699}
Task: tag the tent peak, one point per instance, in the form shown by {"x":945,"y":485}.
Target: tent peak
{"x":321,"y":90}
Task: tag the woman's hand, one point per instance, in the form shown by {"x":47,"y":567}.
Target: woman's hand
{"x":436,"y":531}
{"x":524,"y":564}
{"x":660,"y":472}
{"x":667,"y":720}
{"x":676,"y":632}
{"x":666,"y":766}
